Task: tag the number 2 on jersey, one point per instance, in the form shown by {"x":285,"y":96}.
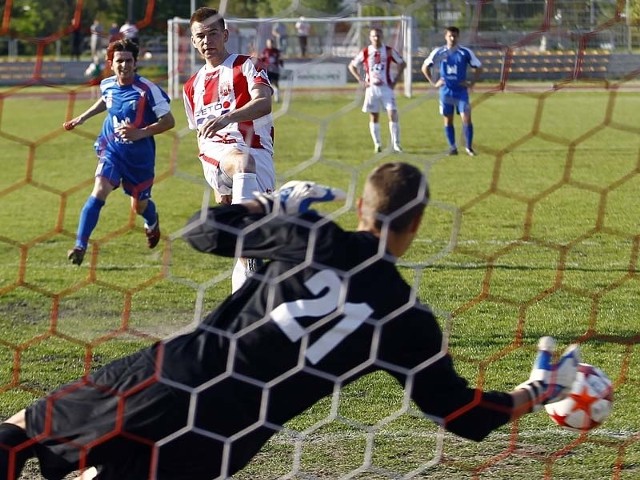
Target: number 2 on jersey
{"x":285,"y":315}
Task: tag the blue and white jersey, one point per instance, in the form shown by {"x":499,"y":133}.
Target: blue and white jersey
{"x":452,"y":64}
{"x":142,"y":103}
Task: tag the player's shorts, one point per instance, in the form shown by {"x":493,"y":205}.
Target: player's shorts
{"x":454,"y":101}
{"x":136,"y":179}
{"x":379,"y":96}
{"x":221,"y":182}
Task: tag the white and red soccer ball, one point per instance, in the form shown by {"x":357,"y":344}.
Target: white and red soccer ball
{"x":588,"y":404}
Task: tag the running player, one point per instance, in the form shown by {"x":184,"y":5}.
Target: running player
{"x":452,"y":61}
{"x":329,"y":307}
{"x":376,"y":60}
{"x":228,"y":102}
{"x":137,"y":109}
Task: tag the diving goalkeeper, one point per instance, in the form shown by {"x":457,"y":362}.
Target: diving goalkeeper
{"x":328,"y":307}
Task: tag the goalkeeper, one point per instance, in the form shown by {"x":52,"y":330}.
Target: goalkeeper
{"x":329,"y":307}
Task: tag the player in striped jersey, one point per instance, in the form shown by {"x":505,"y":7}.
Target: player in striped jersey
{"x":137,"y":109}
{"x":452,"y":60}
{"x":376,"y":60}
{"x":228,"y":102}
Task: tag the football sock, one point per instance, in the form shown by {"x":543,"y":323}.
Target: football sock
{"x":150,"y":215}
{"x":450,"y":133}
{"x":374,"y":129}
{"x":394,"y":129}
{"x":467,"y":130}
{"x":238,"y":276}
{"x":244,"y":184}
{"x":88,"y":220}
{"x":12,"y":436}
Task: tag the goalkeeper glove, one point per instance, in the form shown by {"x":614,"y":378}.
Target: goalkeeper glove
{"x":297,"y":196}
{"x":549,"y":382}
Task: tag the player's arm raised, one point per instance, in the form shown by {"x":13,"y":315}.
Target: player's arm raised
{"x":93,"y":110}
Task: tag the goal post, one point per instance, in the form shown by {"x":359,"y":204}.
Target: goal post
{"x":333,"y":40}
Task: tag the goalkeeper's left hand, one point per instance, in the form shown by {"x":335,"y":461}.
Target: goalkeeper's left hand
{"x":297,"y":196}
{"x":550,"y":382}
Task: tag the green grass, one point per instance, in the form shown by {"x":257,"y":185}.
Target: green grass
{"x":537,"y":235}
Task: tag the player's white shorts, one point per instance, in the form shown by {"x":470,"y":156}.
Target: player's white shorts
{"x":376,"y":96}
{"x":221,"y":182}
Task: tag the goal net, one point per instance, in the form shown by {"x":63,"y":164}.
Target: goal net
{"x":332,"y":43}
{"x":536,"y":235}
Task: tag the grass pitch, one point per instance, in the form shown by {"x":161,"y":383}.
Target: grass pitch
{"x":537,"y":235}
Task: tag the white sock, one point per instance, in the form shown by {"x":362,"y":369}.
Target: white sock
{"x":374,"y":129}
{"x":238,"y":276}
{"x":394,"y":129}
{"x":276,"y":95}
{"x":244,"y":184}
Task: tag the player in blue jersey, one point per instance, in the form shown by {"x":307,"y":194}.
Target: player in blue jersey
{"x":452,"y":61}
{"x":137,"y":109}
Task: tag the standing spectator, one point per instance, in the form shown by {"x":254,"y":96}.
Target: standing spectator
{"x":137,"y":109}
{"x":96,"y":38}
{"x":376,"y":60}
{"x":328,"y":309}
{"x":114,"y":33}
{"x":129,"y":31}
{"x":271,"y":60}
{"x":228,"y":102}
{"x":76,"y":42}
{"x":279,"y":32}
{"x":303,"y":29}
{"x":452,"y":61}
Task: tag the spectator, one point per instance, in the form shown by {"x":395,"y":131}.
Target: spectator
{"x":279,"y":32}
{"x":76,"y":42}
{"x":114,"y":32}
{"x":129,"y":31}
{"x":271,"y":61}
{"x":96,"y":38}
{"x":303,"y":28}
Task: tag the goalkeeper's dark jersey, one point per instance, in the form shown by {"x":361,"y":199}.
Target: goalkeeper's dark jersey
{"x":328,"y":307}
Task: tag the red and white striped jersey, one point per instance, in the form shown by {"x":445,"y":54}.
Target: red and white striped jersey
{"x":212,"y":92}
{"x":376,"y":63}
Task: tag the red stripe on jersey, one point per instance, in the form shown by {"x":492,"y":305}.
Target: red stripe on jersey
{"x":243,"y":96}
{"x":211,"y":82}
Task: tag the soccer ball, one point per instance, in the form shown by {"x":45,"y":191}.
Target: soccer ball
{"x":588,"y":404}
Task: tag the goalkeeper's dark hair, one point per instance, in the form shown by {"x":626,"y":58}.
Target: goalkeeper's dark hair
{"x":394,"y":194}
{"x":123,"y":45}
{"x":202,"y":14}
